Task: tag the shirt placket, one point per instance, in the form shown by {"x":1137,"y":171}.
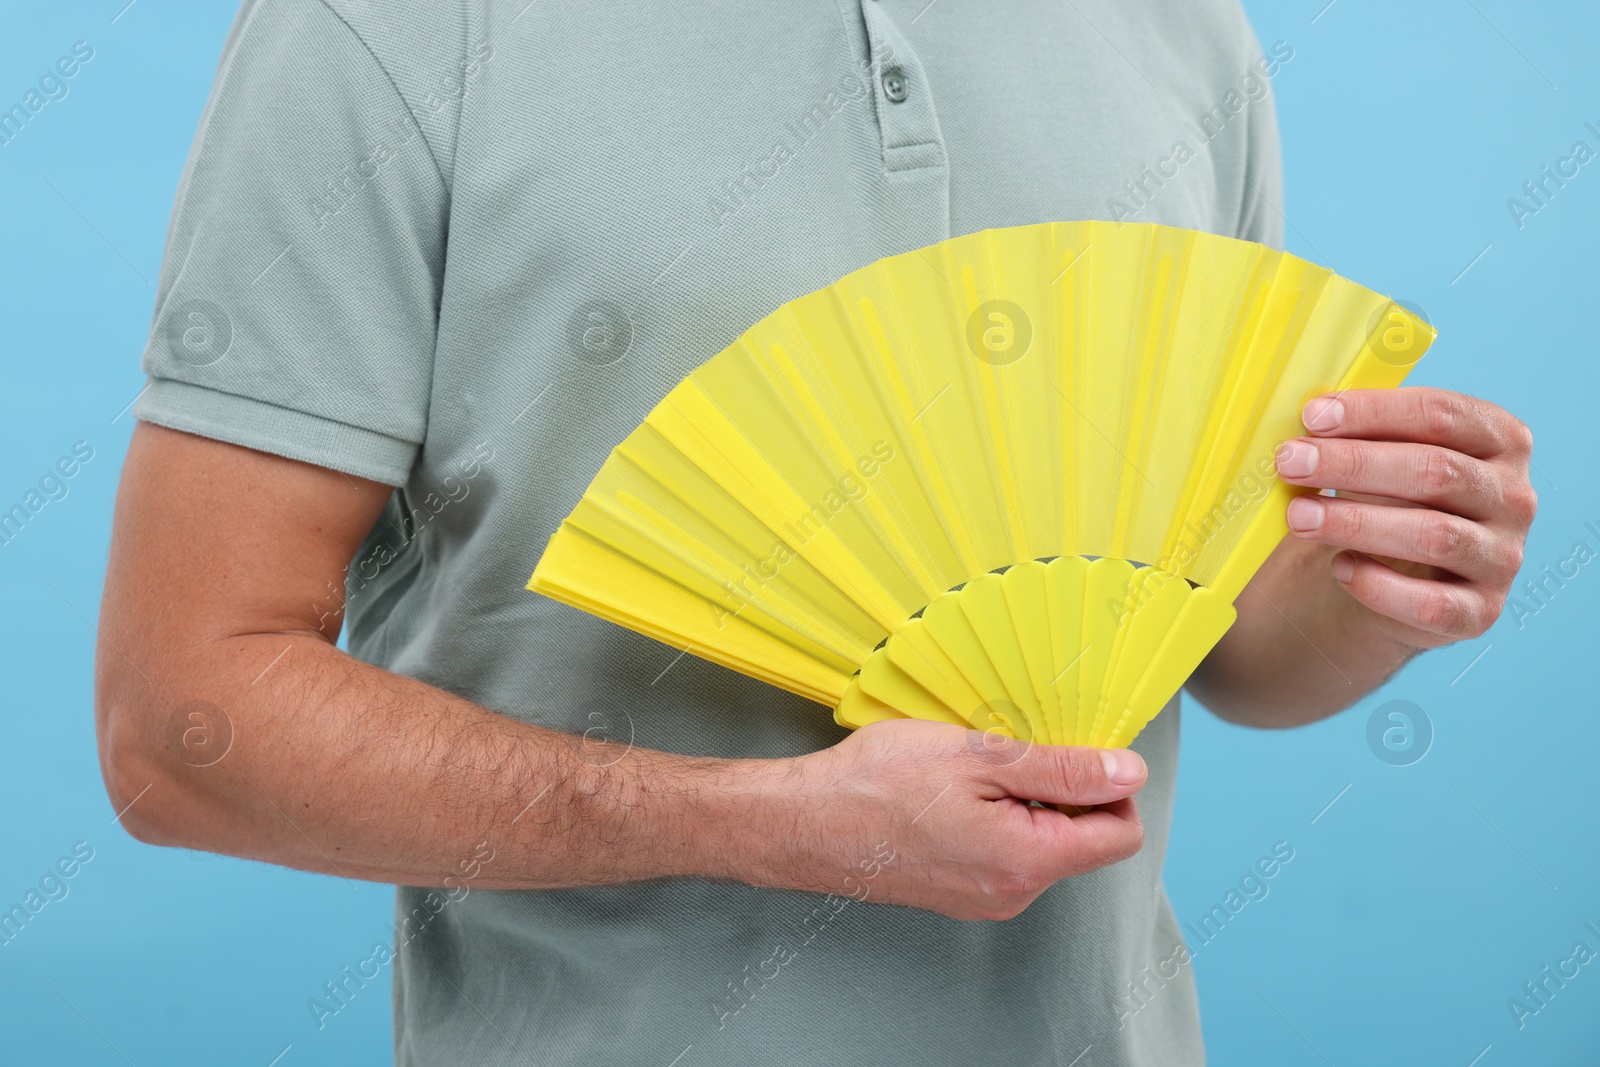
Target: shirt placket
{"x":915,"y":164}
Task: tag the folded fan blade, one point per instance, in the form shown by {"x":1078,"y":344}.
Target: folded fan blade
{"x":825,"y":504}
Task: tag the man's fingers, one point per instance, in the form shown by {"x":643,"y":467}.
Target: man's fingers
{"x":1108,"y":834}
{"x":1427,"y":416}
{"x":976,"y":847}
{"x":1423,"y":474}
{"x":1420,"y":535}
{"x":1448,"y":611}
{"x":1060,"y":774}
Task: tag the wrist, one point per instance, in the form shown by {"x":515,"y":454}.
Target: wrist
{"x":761,"y":825}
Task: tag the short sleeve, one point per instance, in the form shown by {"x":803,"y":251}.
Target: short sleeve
{"x":298,"y":302}
{"x":1261,"y":215}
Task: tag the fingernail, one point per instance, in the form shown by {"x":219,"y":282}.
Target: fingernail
{"x":1343,"y":567}
{"x":1122,"y":767}
{"x":1305,"y":513}
{"x":1297,"y":459}
{"x":1323,"y":414}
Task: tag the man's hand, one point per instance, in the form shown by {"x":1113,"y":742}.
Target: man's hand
{"x":1438,"y":567}
{"x":951,"y":806}
{"x":1418,"y":549}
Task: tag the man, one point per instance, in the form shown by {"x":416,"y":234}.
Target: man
{"x":429,"y":264}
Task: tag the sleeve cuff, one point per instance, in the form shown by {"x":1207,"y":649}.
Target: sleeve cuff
{"x":280,"y":431}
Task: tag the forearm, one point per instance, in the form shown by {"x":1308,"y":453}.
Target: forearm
{"x":1302,"y":648}
{"x":216,"y":598}
{"x":340,"y":767}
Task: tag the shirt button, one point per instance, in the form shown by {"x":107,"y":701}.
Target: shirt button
{"x":894,"y":86}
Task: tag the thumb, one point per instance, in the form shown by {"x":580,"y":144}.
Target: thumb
{"x":1060,"y":774}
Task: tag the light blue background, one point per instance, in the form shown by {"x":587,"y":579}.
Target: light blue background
{"x":1416,"y":904}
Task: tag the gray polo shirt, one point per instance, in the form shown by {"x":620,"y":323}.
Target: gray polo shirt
{"x":463,"y":247}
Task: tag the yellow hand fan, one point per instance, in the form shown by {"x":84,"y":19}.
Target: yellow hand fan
{"x":1013,"y":481}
